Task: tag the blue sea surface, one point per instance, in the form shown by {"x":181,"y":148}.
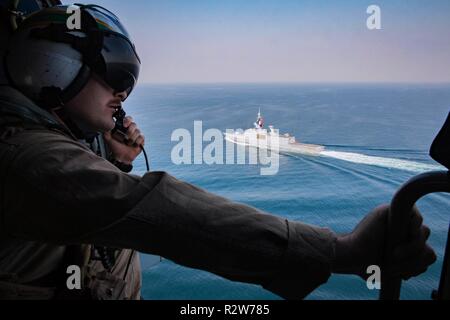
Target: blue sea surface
{"x":393,"y":124}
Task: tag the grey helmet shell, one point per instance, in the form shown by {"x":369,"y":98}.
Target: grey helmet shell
{"x":11,"y":13}
{"x":35,"y":64}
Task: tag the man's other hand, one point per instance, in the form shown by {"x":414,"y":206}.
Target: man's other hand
{"x":364,"y":247}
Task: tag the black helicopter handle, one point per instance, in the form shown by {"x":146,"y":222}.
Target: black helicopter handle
{"x":399,"y":217}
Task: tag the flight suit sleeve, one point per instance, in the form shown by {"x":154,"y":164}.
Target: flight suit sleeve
{"x":67,"y":195}
{"x":200,"y":230}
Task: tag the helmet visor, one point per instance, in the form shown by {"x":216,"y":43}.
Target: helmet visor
{"x":122,"y":64}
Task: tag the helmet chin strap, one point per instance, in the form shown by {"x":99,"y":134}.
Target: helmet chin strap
{"x":54,"y":99}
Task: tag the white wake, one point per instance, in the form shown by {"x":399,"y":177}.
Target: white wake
{"x":390,"y":163}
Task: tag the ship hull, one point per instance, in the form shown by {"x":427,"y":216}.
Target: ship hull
{"x":283,"y":148}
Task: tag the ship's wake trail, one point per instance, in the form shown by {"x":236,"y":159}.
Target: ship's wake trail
{"x":390,"y":163}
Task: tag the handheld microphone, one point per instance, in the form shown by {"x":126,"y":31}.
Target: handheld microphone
{"x":121,"y":131}
{"x":119,"y":117}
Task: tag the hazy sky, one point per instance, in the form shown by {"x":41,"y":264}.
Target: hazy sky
{"x":287,"y":40}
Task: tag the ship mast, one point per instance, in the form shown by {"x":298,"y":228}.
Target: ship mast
{"x":259,"y":124}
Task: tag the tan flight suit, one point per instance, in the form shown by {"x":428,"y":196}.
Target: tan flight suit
{"x":55,"y":192}
{"x":31,"y":262}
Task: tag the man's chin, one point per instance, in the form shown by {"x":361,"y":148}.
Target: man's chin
{"x":105,"y":129}
{"x":108,"y":127}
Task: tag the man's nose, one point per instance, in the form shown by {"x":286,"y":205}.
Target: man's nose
{"x":122,"y":95}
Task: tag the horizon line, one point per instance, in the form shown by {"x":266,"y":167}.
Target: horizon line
{"x":299,"y":83}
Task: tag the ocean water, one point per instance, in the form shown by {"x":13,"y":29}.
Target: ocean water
{"x":377,"y":137}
